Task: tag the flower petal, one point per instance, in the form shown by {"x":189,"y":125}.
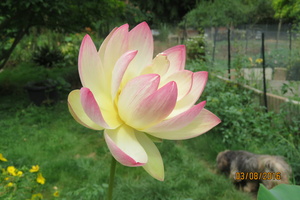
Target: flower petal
{"x":183,"y":79}
{"x":176,"y":55}
{"x":125,"y":147}
{"x":115,"y":48}
{"x":134,"y":92}
{"x":178,"y":121}
{"x":102,"y":48}
{"x":78,"y":113}
{"x":152,"y":109}
{"x":199,"y":82}
{"x":160,"y":65}
{"x":140,"y":39}
{"x":119,"y":71}
{"x":155,"y":165}
{"x":201,"y":124}
{"x":91,"y":107}
{"x":90,"y":67}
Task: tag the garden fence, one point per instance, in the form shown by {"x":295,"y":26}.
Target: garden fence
{"x":241,"y":52}
{"x":275,"y":102}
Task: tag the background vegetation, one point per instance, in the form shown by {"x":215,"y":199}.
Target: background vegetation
{"x":40,"y":40}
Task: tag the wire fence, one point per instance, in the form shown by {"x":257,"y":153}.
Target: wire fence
{"x":237,"y":53}
{"x":263,"y":59}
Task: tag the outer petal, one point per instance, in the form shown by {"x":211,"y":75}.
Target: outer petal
{"x":199,"y":82}
{"x":141,"y":39}
{"x":150,"y":110}
{"x":155,"y":165}
{"x":178,"y":121}
{"x":125,"y":147}
{"x":201,"y":124}
{"x":119,"y":71}
{"x":102,"y":48}
{"x":183,"y":79}
{"x":78,"y":113}
{"x":91,"y":107}
{"x":115,"y":47}
{"x":176,"y":55}
{"x":90,"y":67}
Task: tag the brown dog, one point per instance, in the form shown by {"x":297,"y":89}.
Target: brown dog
{"x":247,"y":170}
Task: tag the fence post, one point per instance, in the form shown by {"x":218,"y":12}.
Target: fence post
{"x":264,"y":70}
{"x":229,"y":54}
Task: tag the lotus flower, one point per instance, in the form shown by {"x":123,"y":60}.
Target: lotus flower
{"x":137,"y":99}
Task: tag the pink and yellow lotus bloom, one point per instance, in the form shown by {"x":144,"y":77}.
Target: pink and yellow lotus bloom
{"x":137,"y":99}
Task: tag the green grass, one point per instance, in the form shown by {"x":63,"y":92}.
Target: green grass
{"x":77,"y":161}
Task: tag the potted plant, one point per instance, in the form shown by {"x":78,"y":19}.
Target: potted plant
{"x":44,"y":90}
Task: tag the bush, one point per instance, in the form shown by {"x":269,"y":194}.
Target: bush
{"x":196,"y":48}
{"x":246,"y":126}
{"x":47,"y":56}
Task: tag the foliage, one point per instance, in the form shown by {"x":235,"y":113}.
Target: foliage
{"x":17,"y":18}
{"x":47,"y":57}
{"x":21,"y":183}
{"x":282,"y":191}
{"x":241,"y":130}
{"x":212,"y":14}
{"x":196,"y":47}
{"x":294,"y":71}
{"x":166,"y":11}
{"x":288,"y":9}
{"x":75,"y":159}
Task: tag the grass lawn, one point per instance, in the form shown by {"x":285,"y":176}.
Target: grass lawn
{"x":76,"y":160}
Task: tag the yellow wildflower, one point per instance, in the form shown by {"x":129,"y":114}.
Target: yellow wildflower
{"x":19,"y":173}
{"x":6,"y":179}
{"x":2,"y":158}
{"x":34,"y":168}
{"x":36,"y":196}
{"x":259,"y":60}
{"x":40,"y":179}
{"x":10,"y":184}
{"x":11,"y":170}
{"x":56,"y":194}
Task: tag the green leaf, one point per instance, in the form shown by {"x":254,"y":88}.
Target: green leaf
{"x":280,"y":192}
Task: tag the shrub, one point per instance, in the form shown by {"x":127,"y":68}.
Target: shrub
{"x":47,"y":56}
{"x":196,"y":48}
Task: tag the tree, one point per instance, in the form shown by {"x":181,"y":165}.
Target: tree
{"x":17,"y":17}
{"x":216,"y":14}
{"x":285,"y":9}
{"x":165,"y":11}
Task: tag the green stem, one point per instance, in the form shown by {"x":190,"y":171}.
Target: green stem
{"x":111,"y":178}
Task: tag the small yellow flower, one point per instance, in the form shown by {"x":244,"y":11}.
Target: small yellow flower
{"x":34,"y":168}
{"x":6,"y":179}
{"x":19,"y":173}
{"x":259,"y":60}
{"x":2,"y":158}
{"x":10,"y":184}
{"x":56,"y":194}
{"x":11,"y":170}
{"x":250,"y":59}
{"x":40,"y":179}
{"x":36,"y":196}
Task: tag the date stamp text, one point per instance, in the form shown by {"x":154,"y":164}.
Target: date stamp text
{"x":257,"y":176}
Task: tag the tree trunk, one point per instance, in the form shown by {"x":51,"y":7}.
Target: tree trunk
{"x":278,"y":32}
{"x":6,"y":54}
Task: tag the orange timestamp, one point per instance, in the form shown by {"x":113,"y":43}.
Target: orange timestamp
{"x":257,"y":176}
